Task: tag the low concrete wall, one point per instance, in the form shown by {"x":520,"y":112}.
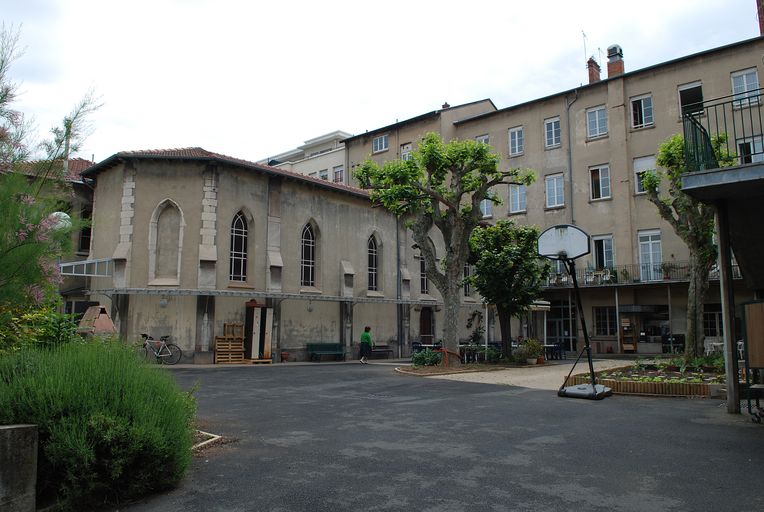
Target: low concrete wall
{"x":18,"y":467}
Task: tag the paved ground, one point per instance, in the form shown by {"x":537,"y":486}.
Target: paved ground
{"x":339,"y":437}
{"x":549,"y":376}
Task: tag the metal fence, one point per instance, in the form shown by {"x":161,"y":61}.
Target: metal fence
{"x":735,"y":121}
{"x":647,"y":273}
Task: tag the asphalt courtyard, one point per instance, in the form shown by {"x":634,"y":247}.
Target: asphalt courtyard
{"x":336,"y":437}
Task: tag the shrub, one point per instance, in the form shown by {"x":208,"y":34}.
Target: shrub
{"x":493,"y":355}
{"x":528,"y":349}
{"x":42,"y":324}
{"x":426,"y":358}
{"x":110,"y":427}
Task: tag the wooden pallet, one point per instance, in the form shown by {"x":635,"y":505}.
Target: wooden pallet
{"x":223,"y":345}
{"x":229,"y":351}
{"x":259,"y":361}
{"x":229,"y":357}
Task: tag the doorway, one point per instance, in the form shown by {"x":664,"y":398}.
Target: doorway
{"x":426,"y":326}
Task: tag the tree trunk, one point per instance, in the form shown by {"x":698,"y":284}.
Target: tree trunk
{"x":699,"y":270}
{"x":451,"y":303}
{"x":505,"y":324}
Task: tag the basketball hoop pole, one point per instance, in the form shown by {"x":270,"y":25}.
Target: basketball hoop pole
{"x":570,"y":266}
{"x":565,"y":243}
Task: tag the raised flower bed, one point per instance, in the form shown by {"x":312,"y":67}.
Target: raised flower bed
{"x":658,"y":379}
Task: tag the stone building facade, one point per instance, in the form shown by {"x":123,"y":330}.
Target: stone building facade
{"x":197,"y":239}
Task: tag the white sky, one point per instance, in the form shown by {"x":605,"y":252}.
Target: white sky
{"x":252,"y":79}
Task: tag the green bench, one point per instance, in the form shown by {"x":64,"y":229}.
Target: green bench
{"x":316,"y":350}
{"x":380,"y":351}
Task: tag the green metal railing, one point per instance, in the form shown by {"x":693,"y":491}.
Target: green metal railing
{"x":734,"y":122}
{"x":635,"y":274}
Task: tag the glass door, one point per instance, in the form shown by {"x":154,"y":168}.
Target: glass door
{"x":650,"y":255}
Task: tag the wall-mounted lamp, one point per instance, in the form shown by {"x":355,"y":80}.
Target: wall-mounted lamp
{"x":163,"y":302}
{"x":310,"y":306}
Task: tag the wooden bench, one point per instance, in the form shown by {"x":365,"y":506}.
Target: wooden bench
{"x":316,"y":350}
{"x":381,"y":351}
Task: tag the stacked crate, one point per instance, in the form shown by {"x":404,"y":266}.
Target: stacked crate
{"x":229,"y":348}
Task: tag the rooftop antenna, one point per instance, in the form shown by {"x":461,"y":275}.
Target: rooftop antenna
{"x":586,"y":55}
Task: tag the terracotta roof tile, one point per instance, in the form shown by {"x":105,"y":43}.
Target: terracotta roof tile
{"x":197,"y":153}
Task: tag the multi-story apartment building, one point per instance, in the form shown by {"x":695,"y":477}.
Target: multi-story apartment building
{"x":589,"y":146}
{"x":199,"y":239}
{"x":321,"y":157}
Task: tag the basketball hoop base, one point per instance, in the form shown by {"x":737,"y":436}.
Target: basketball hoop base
{"x":597,"y":392}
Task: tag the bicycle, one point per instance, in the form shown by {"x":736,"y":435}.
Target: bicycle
{"x":165,"y":353}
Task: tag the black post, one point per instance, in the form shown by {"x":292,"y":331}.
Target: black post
{"x":571,"y":267}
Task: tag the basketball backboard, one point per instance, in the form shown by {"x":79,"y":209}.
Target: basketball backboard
{"x":563,"y":241}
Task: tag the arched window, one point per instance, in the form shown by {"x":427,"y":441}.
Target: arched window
{"x":308,"y":257}
{"x":165,"y":243}
{"x":373,"y":263}
{"x":238,"y":256}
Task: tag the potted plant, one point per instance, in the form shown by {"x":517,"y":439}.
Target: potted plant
{"x":667,"y":268}
{"x":529,"y":350}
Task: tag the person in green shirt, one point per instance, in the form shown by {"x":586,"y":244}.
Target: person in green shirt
{"x":366,"y":344}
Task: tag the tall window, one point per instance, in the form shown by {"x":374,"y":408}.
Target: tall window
{"x":744,"y":87}
{"x":373,"y":263}
{"x":641,"y":165}
{"x":604,"y":321}
{"x":596,"y":122}
{"x":600,"y":181}
{"x":486,"y":207}
{"x":308,"y":257}
{"x":516,"y":141}
{"x":552,"y":132}
{"x":516,"y":198}
{"x":554,"y":191}
{"x":691,"y":98}
{"x":650,"y":255}
{"x":423,"y":284}
{"x":83,"y":245}
{"x":603,"y":252}
{"x":238,"y":256}
{"x":339,"y":174}
{"x":712,"y":320}
{"x":406,"y":151}
{"x":379,"y":144}
{"x":642,"y":111}
{"x":324,"y":174}
{"x":467,"y":287}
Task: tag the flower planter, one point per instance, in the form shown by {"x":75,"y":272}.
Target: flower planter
{"x":531,"y":361}
{"x":627,"y":387}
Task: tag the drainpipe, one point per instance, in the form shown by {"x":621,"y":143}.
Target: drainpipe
{"x":570,"y":154}
{"x":398,"y":306}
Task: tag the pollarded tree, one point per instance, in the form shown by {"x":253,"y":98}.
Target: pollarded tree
{"x":693,"y":221}
{"x":508,"y":271}
{"x":441,"y":188}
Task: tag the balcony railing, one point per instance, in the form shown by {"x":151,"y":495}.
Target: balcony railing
{"x":677,"y":271}
{"x":737,"y":117}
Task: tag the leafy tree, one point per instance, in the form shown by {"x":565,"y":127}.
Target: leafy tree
{"x":693,"y":221}
{"x":508,"y":271}
{"x":13,"y":128}
{"x":31,"y":237}
{"x":441,"y":188}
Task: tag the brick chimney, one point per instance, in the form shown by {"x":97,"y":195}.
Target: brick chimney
{"x":445,"y":106}
{"x":614,"y":61}
{"x":594,"y":69}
